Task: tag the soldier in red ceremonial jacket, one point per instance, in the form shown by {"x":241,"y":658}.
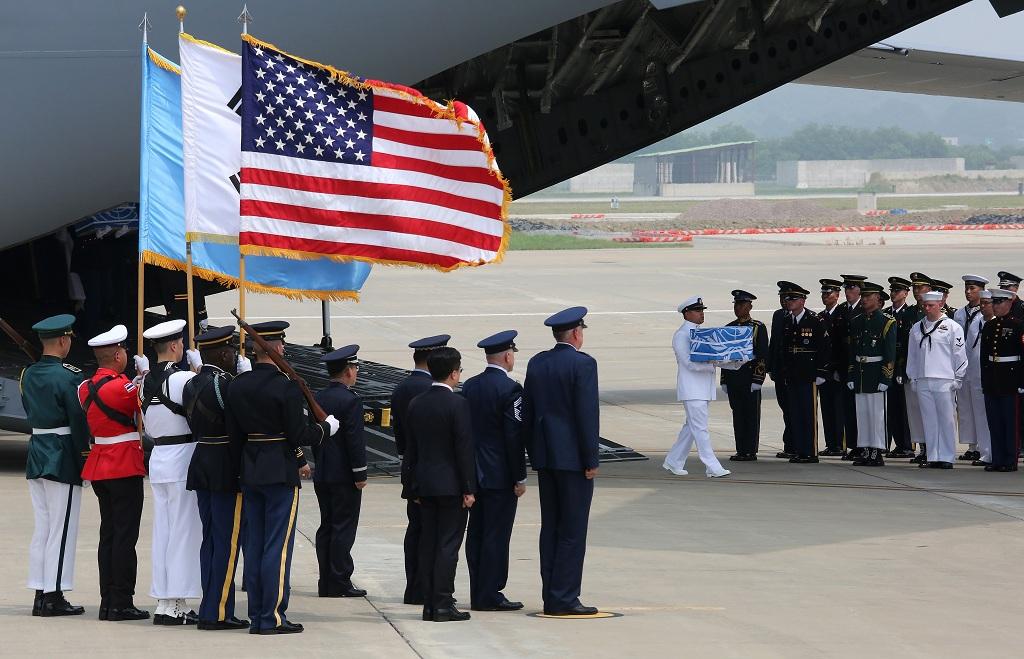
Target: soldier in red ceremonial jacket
{"x":115,"y":468}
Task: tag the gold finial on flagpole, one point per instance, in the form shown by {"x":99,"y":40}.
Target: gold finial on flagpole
{"x":180,"y":12}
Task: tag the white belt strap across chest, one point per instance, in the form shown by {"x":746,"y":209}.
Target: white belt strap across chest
{"x":118,"y":439}
{"x":63,"y":430}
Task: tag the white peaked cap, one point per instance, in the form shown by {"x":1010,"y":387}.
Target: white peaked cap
{"x":165,"y":329}
{"x":113,"y":336}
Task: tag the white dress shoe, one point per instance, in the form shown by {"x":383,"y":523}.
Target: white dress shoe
{"x":675,"y":470}
{"x":720,"y":474}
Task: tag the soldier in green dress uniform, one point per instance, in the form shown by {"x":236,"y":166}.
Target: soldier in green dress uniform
{"x":56,"y":454}
{"x":872,"y":357}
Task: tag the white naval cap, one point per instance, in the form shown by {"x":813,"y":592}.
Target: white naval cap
{"x":975,"y":279}
{"x":113,"y":336}
{"x":168,"y":329}
{"x":1001,"y":293}
{"x":985,"y":295}
{"x":932,"y":296}
{"x":692,"y":303}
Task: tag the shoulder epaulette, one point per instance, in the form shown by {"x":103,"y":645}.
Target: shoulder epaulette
{"x":71,"y":367}
{"x":889,"y":322}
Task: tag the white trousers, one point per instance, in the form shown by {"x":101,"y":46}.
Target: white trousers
{"x":871,"y":420}
{"x":936,"y":399}
{"x":695,"y":429}
{"x":914,"y":421}
{"x":51,"y":560}
{"x":971,"y":419}
{"x":177,"y":537}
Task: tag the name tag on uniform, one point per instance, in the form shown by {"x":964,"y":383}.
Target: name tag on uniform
{"x":943,"y":328}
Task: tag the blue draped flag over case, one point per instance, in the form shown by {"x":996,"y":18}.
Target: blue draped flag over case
{"x":722,"y":344}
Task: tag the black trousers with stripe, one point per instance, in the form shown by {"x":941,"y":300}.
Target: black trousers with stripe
{"x":221,"y":514}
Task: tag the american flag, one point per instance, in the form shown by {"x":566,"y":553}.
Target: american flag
{"x":350,"y":168}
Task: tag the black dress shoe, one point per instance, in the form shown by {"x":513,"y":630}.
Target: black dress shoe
{"x":450,"y":614}
{"x":901,"y":453}
{"x":219,"y":625}
{"x":831,"y":452}
{"x":189,"y":618}
{"x":578,"y":610}
{"x":804,"y":459}
{"x":104,"y":612}
{"x":284,"y":628}
{"x":980,"y":463}
{"x":350,"y":591}
{"x":53,"y":605}
{"x":784,"y":456}
{"x":127,"y":613}
{"x":503,"y":606}
{"x":941,"y":465}
{"x":37,"y":603}
{"x":919,"y":459}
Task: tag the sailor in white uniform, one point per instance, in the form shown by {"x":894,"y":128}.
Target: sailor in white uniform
{"x":970,"y":401}
{"x":936,"y":367}
{"x":177,"y":527}
{"x":695,"y":386}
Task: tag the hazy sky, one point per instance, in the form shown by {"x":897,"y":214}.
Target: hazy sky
{"x":973,"y":29}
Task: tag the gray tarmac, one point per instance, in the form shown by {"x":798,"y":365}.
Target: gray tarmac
{"x":777,"y":560}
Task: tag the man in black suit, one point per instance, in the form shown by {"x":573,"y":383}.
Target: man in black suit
{"x":340,"y":476}
{"x":560,"y":426}
{"x":832,"y":392}
{"x":413,"y":385}
{"x":496,"y":401}
{"x":442,"y":477}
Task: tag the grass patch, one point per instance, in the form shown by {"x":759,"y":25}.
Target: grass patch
{"x":625,"y":206}
{"x":539,"y":241}
{"x":980,"y":201}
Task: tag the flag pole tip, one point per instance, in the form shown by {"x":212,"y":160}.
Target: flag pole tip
{"x":180,"y":12}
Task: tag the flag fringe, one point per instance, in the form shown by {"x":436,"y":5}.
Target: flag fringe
{"x":299,"y":255}
{"x":188,"y":37}
{"x":162,"y":62}
{"x":448,"y":111}
{"x":168,"y":263}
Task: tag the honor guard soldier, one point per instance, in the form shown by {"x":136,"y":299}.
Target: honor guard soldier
{"x":1011,"y":282}
{"x":970,"y":400}
{"x":177,"y":529}
{"x":936,"y":366}
{"x":561,"y":416}
{"x":495,"y":401}
{"x":743,"y":385}
{"x":213,"y":476}
{"x":56,"y":453}
{"x":268,"y":424}
{"x":340,"y":476}
{"x":921,"y":284}
{"x":832,"y":392}
{"x":802,"y":344}
{"x":695,"y":386}
{"x":774,"y":362}
{"x":1002,"y":377}
{"x":417,"y":382}
{"x":115,"y":469}
{"x":872,"y":359}
{"x":895,"y":398}
{"x":442,"y":476}
{"x":848,"y":310}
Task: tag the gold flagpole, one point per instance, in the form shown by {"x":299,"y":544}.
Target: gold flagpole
{"x":191,"y":299}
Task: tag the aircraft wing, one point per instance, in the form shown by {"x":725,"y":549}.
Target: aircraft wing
{"x":895,"y":69}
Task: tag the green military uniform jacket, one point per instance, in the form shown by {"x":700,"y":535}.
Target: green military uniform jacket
{"x":905,"y":319}
{"x":49,"y":392}
{"x":872,"y":352}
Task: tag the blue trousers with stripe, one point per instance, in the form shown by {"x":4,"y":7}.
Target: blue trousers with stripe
{"x":270,"y":538}
{"x":221,"y":514}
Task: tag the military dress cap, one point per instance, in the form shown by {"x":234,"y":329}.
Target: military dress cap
{"x":692,"y":303}
{"x":941,"y":286}
{"x":900,"y":284}
{"x":872,"y":287}
{"x":932,"y":296}
{"x":978,"y":280}
{"x":115,"y":335}
{"x":342,"y":356}
{"x":499,"y":342}
{"x":920,"y":279}
{"x":54,"y":326}
{"x":1000,"y":294}
{"x":1008,"y":279}
{"x":985,"y":294}
{"x":742,"y":296}
{"x":166,"y":331}
{"x":849,"y":281}
{"x":431,"y":342}
{"x":215,"y":336}
{"x":567,"y":319}
{"x":830,"y":285}
{"x":271,"y":330}
{"x":790,"y":290}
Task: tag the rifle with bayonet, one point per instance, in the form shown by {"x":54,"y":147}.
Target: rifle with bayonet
{"x":22,"y":342}
{"x":286,"y":368}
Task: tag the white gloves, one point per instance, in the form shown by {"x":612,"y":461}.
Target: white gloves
{"x":819,"y":381}
{"x":244,"y":365}
{"x":754,"y":387}
{"x":1020,"y":390}
{"x":725,"y":390}
{"x":899,"y":379}
{"x":882,"y":388}
{"x":333,"y":424}
{"x":956,"y":385}
{"x":194,"y":359}
{"x":141,"y":364}
{"x":849,"y":385}
{"x":137,"y":380}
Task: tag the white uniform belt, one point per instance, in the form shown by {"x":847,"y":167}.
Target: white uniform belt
{"x":63,"y":430}
{"x":862,"y":359}
{"x":118,"y":439}
{"x":1009,"y":358}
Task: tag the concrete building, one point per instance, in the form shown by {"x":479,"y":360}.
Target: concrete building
{"x":610,"y":178}
{"x":725,"y":170}
{"x":803,"y":174}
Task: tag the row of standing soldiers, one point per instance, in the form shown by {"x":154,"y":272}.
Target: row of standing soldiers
{"x":888,"y":378}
